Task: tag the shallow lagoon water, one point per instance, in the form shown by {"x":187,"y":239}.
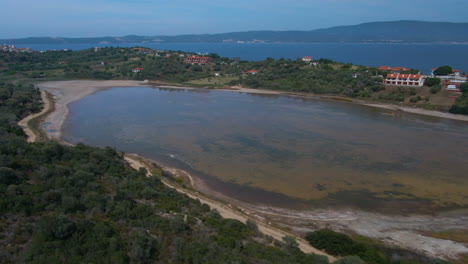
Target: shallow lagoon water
{"x":285,"y":151}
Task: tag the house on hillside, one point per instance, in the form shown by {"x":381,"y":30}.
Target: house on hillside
{"x":137,"y":70}
{"x":401,"y":79}
{"x":252,"y":72}
{"x":307,"y":59}
{"x":197,"y":60}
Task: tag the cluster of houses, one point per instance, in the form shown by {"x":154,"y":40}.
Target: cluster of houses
{"x":13,"y":48}
{"x":397,"y":76}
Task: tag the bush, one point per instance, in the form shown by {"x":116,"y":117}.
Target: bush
{"x":443,"y":70}
{"x":341,"y":245}
{"x":432,"y":81}
{"x":7,"y":176}
{"x":436,"y":88}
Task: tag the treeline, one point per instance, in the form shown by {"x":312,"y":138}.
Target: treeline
{"x":85,"y":205}
{"x":326,"y":77}
{"x":105,"y":64}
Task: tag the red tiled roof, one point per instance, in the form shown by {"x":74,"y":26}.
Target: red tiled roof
{"x":138,"y":68}
{"x":404,"y":76}
{"x":251,"y":71}
{"x":415,"y":76}
{"x":384,"y":68}
{"x":197,"y":57}
{"x":307,"y":57}
{"x":399,"y":69}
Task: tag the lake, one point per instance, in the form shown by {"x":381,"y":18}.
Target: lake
{"x":285,"y":151}
{"x":423,"y":57}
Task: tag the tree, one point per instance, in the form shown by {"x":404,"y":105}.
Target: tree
{"x":7,"y":176}
{"x":443,"y":70}
{"x":464,"y":88}
{"x":432,"y":81}
{"x":290,"y":242}
{"x":436,"y":88}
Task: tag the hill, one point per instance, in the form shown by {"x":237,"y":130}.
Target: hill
{"x":374,"y":32}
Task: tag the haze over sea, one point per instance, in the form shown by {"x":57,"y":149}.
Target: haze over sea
{"x":417,"y":56}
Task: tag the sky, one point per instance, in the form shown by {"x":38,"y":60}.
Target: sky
{"x":97,"y":18}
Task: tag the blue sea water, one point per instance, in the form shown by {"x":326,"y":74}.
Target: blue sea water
{"x":417,"y":56}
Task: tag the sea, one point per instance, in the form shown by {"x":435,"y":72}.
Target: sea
{"x":422,"y":57}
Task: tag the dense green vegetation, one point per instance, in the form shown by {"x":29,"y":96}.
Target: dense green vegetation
{"x":342,"y":245}
{"x":327,"y":77}
{"x":443,"y":70}
{"x":84,"y":205}
{"x":432,"y":81}
{"x":117,"y":63}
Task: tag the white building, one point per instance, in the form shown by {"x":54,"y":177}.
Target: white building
{"x":402,"y":79}
{"x":307,"y":59}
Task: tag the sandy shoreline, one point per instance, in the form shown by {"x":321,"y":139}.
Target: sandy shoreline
{"x":66,"y":92}
{"x":395,"y":230}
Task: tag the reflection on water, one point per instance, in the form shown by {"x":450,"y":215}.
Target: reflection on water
{"x":314,"y":152}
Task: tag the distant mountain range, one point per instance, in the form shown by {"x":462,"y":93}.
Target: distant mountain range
{"x":375,"y":32}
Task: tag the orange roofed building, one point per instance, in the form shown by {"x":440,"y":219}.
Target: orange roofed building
{"x":197,"y":60}
{"x":307,"y":59}
{"x":394,"y":69}
{"x":404,"y":79}
{"x":253,"y":72}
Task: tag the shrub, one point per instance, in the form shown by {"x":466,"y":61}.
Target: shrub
{"x":432,"y":81}
{"x":436,"y":88}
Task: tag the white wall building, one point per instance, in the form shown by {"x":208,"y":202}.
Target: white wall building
{"x":401,"y":79}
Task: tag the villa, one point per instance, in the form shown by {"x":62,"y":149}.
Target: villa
{"x":307,"y":59}
{"x":197,"y":60}
{"x":137,"y":70}
{"x":253,"y":72}
{"x":404,"y":79}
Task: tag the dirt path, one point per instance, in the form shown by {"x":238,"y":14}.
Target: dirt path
{"x":227,"y":211}
{"x":31,"y":137}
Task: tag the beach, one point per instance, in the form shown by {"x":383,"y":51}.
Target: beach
{"x":403,"y":231}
